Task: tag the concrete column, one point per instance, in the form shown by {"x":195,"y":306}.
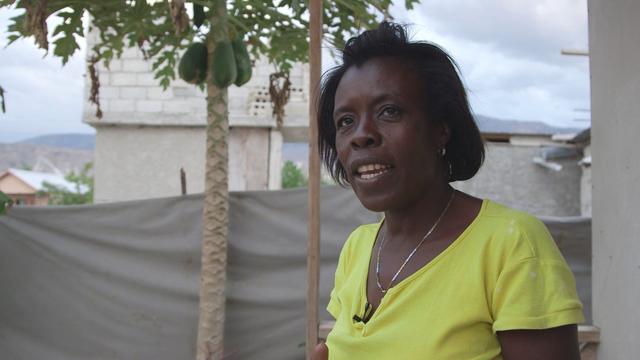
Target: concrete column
{"x":614,"y":49}
{"x":275,"y":159}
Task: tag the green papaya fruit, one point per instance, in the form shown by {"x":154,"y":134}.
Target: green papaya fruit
{"x":198,"y":15}
{"x":193,"y":64}
{"x":223,"y":65}
{"x":243,"y":62}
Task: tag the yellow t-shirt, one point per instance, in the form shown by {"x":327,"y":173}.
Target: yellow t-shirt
{"x":503,"y":272}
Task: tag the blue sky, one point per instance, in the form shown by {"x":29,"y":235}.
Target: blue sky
{"x":508,"y":51}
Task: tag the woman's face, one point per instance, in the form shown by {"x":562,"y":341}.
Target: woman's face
{"x":384,"y":140}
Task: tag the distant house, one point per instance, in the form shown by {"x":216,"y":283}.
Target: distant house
{"x":25,"y":187}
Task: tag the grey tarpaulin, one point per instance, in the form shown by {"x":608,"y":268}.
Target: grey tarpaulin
{"x":120,"y":281}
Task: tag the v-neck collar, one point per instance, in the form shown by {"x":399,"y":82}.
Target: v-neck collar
{"x":404,"y":282}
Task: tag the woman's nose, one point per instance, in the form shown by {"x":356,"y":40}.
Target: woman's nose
{"x":366,"y":135}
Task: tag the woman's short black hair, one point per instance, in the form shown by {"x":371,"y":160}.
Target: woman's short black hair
{"x":444,"y":97}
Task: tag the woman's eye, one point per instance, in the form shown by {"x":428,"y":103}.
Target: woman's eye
{"x":345,"y":121}
{"x":390,"y":111}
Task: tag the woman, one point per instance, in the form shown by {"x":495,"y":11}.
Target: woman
{"x":445,"y":275}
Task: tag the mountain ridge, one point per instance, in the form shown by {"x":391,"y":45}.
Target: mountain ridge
{"x":486,"y":124}
{"x":70,"y":151}
{"x":27,"y":156}
{"x":66,"y":140}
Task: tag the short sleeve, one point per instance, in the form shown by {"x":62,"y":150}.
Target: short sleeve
{"x":535,"y":294}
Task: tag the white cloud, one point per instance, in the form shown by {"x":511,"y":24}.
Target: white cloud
{"x":509,"y":54}
{"x":535,"y":29}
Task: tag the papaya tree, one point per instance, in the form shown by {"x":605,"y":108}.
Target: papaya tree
{"x":217,"y":38}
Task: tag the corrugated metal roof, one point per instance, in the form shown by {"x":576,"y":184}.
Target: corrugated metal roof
{"x":37,"y":179}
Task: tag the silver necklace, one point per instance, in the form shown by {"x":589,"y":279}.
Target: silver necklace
{"x":424,"y":238}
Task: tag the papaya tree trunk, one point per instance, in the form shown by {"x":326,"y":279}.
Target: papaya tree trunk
{"x":215,"y":209}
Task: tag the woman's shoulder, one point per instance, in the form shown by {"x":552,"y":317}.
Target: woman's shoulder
{"x":363,"y":235}
{"x":519,"y":233}
{"x":503,"y":217}
{"x":498,"y":211}
{"x":359,"y":242}
{"x":366,"y":229}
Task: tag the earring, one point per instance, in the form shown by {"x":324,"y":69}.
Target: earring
{"x":443,"y":152}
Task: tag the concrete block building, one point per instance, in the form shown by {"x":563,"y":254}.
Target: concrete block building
{"x":147,"y":134}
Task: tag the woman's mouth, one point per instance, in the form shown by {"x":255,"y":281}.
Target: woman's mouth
{"x":371,"y":171}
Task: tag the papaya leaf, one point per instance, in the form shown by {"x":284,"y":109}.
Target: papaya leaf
{"x":70,"y":27}
{"x":16,"y":29}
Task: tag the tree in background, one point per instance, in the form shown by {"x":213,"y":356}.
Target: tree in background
{"x":277,"y":30}
{"x":292,"y":176}
{"x":5,"y":203}
{"x":83,"y":194}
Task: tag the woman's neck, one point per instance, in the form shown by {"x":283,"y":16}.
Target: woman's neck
{"x":412,"y":222}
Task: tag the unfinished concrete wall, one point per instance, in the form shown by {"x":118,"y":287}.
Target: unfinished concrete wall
{"x":509,"y":176}
{"x":614,"y":50}
{"x":129,"y":94}
{"x":139,"y":163}
{"x":146,"y":162}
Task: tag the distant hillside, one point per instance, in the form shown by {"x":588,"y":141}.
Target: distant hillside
{"x":28,"y":155}
{"x":71,"y":151}
{"x":485,"y":123}
{"x":68,"y":141}
{"x":494,"y":125}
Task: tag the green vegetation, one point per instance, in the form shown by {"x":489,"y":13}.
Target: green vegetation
{"x":5,"y":203}
{"x":292,"y":176}
{"x":83,"y":193}
{"x":2,"y":104}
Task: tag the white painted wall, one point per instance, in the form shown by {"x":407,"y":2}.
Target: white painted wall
{"x":614,"y":33}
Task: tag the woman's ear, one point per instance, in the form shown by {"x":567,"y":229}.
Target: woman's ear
{"x":445,"y":135}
